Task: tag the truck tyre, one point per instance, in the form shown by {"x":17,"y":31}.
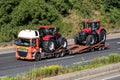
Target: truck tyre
{"x":62,"y":54}
{"x":102,"y":36}
{"x":49,"y":46}
{"x":90,"y":40}
{"x":56,"y":55}
{"x":37,"y":57}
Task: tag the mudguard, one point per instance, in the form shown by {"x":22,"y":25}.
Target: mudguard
{"x":47,"y":37}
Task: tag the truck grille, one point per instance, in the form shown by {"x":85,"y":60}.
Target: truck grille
{"x":22,"y":53}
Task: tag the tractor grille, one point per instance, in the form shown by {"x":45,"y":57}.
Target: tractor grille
{"x":22,"y":53}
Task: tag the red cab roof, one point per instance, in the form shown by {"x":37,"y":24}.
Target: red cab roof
{"x":89,"y":21}
{"x":46,"y":27}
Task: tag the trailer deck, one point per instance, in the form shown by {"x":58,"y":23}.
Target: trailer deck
{"x":74,"y":48}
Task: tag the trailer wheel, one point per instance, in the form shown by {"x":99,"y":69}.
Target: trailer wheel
{"x":37,"y":57}
{"x":103,"y":47}
{"x":92,"y":50}
{"x":57,"y":55}
{"x":62,"y":54}
{"x":100,"y":48}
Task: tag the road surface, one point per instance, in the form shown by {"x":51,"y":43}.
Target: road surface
{"x":10,"y":66}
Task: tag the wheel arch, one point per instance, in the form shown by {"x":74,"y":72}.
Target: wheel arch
{"x":47,"y":37}
{"x":36,"y":53}
{"x":101,"y":29}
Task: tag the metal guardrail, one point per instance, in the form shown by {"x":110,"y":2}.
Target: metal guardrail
{"x":68,"y":37}
{"x":6,"y":43}
{"x":113,"y":31}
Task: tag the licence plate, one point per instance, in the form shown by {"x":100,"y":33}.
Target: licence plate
{"x":22,"y":58}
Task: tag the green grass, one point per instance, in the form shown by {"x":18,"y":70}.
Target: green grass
{"x":53,"y":70}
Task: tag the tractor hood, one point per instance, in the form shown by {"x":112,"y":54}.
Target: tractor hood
{"x":47,"y":37}
{"x":88,"y":30}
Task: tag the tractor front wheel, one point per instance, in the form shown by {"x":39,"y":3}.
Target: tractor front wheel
{"x":90,"y":40}
{"x":64,"y":43}
{"x":102,"y":37}
{"x":49,"y":46}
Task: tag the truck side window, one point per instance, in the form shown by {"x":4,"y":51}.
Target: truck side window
{"x":36,"y":34}
{"x":33,"y":42}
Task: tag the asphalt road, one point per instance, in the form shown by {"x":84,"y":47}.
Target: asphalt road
{"x":10,"y":66}
{"x":117,"y":77}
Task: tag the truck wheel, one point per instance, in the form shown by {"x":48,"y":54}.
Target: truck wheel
{"x":62,"y":54}
{"x":49,"y":46}
{"x":57,"y":55}
{"x":37,"y":57}
{"x":102,"y":37}
{"x":90,"y":40}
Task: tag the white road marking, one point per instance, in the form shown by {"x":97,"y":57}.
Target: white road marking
{"x":111,"y":77}
{"x":82,"y":62}
{"x":118,"y":42}
{"x":5,"y":52}
{"x":3,"y":77}
{"x":118,"y":48}
{"x":60,"y":58}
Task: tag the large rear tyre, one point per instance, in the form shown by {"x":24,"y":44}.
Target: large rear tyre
{"x":49,"y":46}
{"x":102,"y":37}
{"x":76,"y":39}
{"x":90,"y":40}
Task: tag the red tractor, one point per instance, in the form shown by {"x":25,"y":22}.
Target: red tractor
{"x":51,"y":39}
{"x":91,"y":33}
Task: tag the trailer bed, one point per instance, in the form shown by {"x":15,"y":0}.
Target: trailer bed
{"x":75,"y":48}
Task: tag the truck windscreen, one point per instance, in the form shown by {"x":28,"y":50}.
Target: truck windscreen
{"x":23,"y":42}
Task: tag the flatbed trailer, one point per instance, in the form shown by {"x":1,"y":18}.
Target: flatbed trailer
{"x":74,"y":48}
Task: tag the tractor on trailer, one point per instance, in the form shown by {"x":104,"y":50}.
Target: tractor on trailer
{"x":48,"y":42}
{"x":51,"y":39}
{"x":91,"y":33}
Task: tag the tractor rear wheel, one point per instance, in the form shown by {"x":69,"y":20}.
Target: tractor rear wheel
{"x":76,"y":39}
{"x":90,"y":40}
{"x":102,"y":37}
{"x":49,"y":46}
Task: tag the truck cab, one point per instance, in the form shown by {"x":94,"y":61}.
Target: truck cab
{"x":27,"y":45}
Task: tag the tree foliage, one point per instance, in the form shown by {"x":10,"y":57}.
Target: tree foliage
{"x":16,"y":15}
